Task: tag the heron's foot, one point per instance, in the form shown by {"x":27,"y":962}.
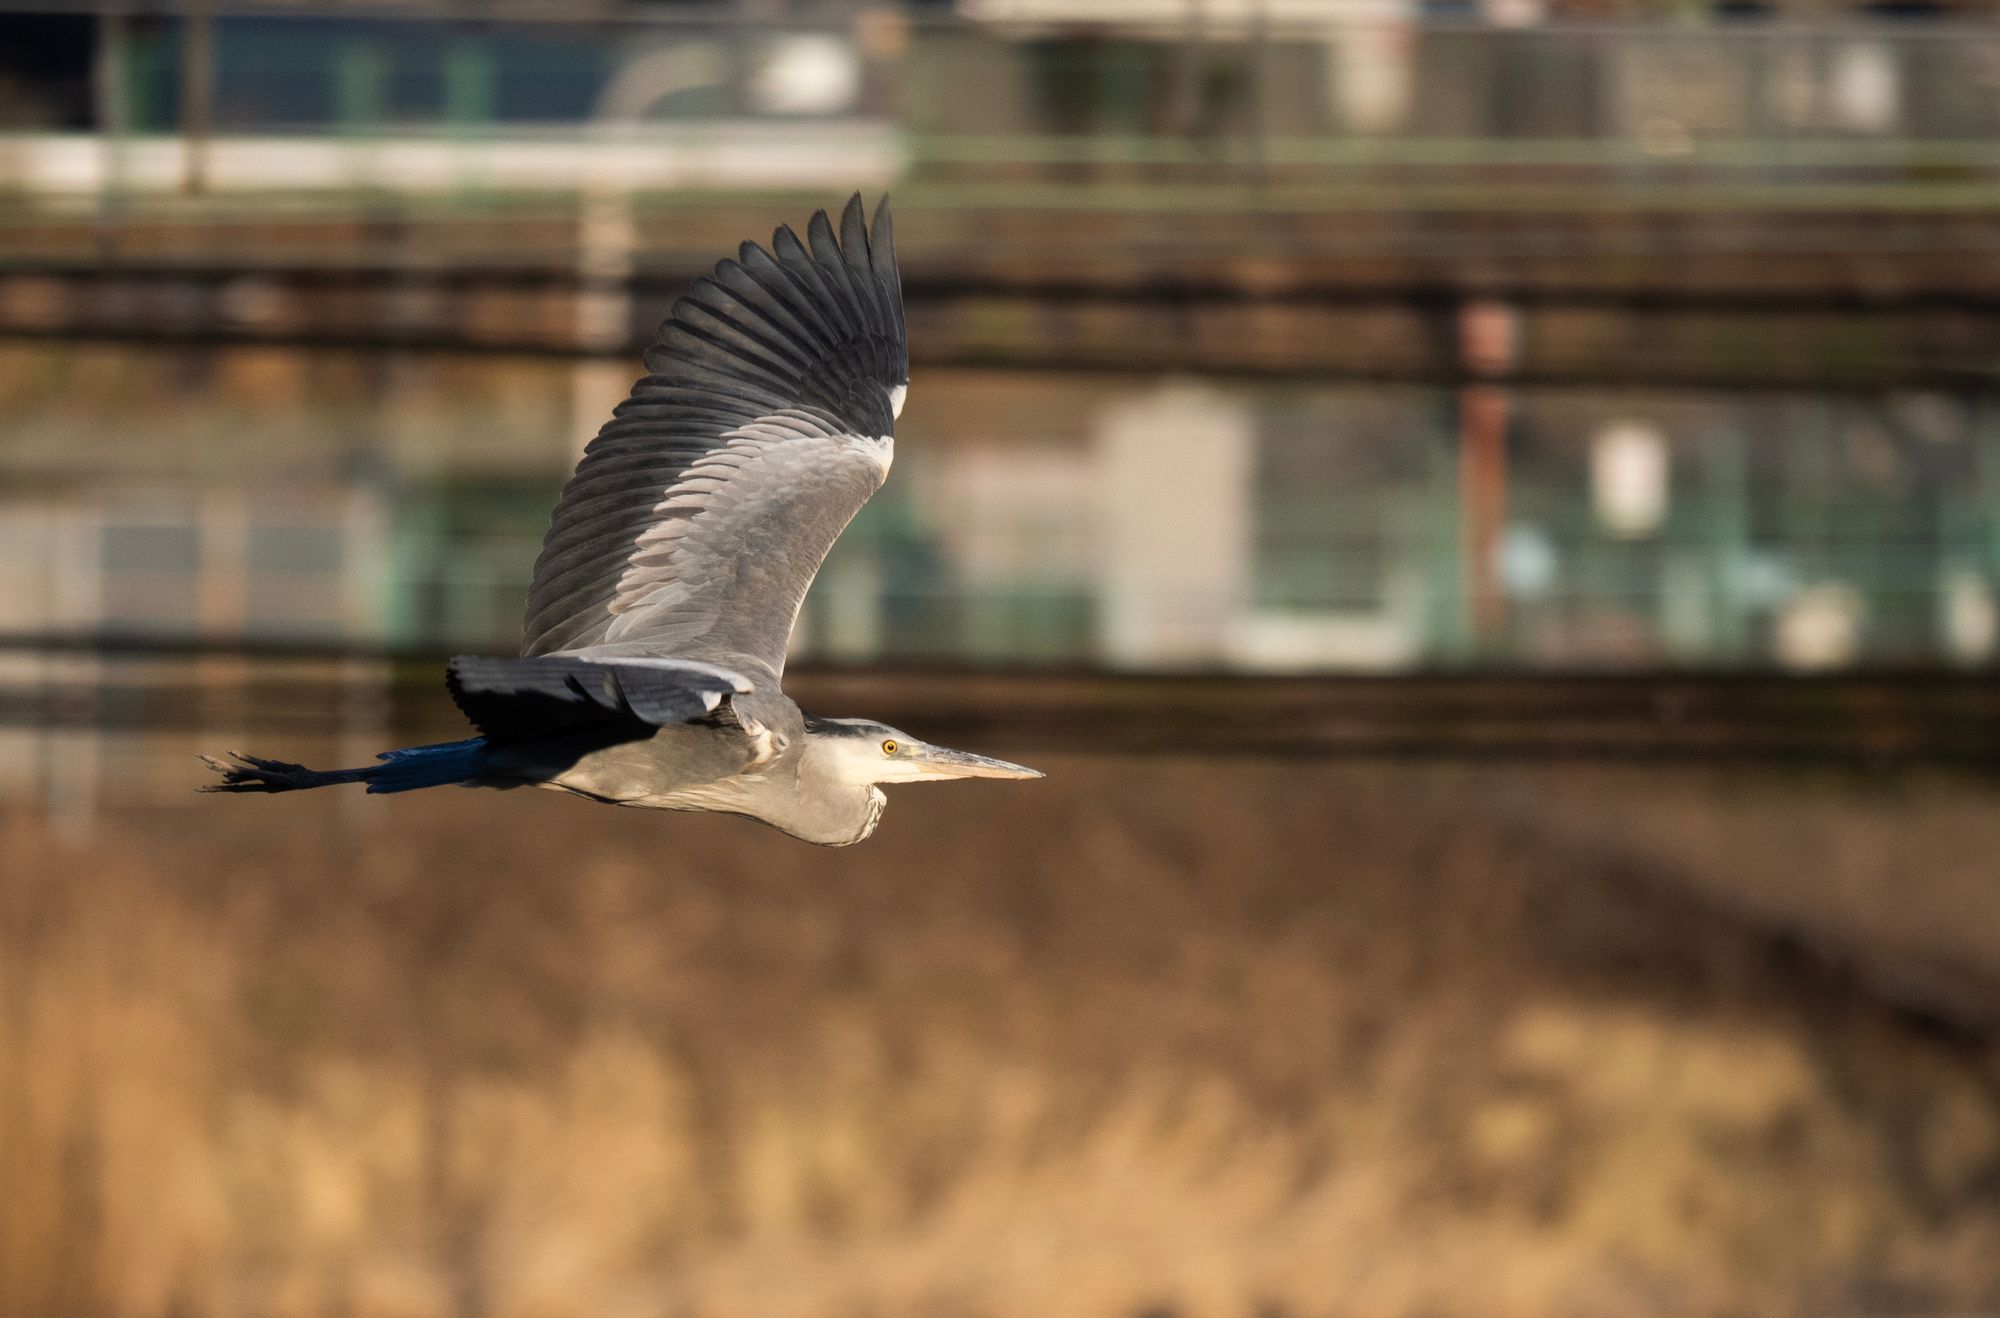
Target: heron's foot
{"x":251,"y":773}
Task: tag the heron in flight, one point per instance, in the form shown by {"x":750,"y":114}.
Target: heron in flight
{"x":665,"y":594}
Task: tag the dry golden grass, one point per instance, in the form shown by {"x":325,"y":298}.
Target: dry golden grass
{"x":1214,"y":1040}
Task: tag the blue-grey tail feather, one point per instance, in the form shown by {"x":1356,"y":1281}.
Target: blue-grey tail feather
{"x":403,"y":770}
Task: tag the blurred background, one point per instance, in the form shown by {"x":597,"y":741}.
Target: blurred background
{"x":1488,"y":511}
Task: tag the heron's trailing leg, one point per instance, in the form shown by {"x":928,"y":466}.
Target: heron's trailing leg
{"x":399,"y":771}
{"x":251,"y":773}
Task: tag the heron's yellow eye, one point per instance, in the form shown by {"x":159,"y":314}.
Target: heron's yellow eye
{"x":889,"y":747}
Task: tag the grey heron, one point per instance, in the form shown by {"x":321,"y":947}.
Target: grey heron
{"x":679,"y":554}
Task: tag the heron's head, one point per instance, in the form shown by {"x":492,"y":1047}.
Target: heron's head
{"x":862,"y":751}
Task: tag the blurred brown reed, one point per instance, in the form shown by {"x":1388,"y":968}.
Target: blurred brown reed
{"x":1199,"y":1038}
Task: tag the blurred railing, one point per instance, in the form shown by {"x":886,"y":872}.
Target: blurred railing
{"x":72,"y":688}
{"x":1270,"y":197}
{"x":1297,"y":116}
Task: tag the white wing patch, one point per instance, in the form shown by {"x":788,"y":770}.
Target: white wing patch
{"x":896,"y":397}
{"x":881,"y":450}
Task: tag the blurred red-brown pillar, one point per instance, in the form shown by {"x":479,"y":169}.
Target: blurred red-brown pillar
{"x":1486,"y":340}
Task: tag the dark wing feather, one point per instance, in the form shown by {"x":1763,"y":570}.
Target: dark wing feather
{"x":515,"y":699}
{"x":701,"y":511}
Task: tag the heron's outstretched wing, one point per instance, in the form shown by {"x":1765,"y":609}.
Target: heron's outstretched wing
{"x":704,"y":507}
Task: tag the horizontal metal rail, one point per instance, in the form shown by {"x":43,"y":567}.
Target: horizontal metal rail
{"x":1651,"y":21}
{"x":1873,"y":719}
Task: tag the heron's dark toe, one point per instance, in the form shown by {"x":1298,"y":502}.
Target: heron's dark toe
{"x":251,"y":773}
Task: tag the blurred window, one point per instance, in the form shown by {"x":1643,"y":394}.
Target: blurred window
{"x":161,"y":550}
{"x":151,"y":576}
{"x":309,"y":550}
{"x":296,"y":582}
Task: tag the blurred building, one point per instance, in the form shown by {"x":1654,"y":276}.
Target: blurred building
{"x":1275,"y":528}
{"x":1272,"y":336}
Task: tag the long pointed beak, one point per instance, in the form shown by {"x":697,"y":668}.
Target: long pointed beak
{"x":961,"y":764}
